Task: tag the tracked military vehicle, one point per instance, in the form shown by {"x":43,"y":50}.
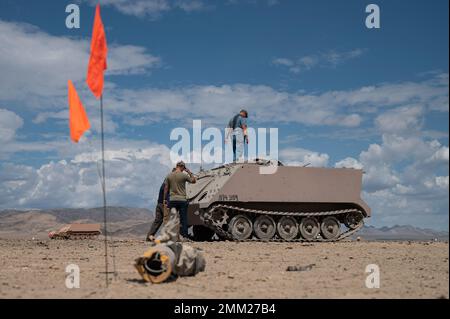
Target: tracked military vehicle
{"x":77,"y":231}
{"x":239,"y":202}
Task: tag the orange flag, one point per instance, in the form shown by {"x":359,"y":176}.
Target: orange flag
{"x":97,"y":60}
{"x":78,"y":120}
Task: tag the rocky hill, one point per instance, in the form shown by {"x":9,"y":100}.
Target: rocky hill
{"x":401,"y":232}
{"x":135,"y":222}
{"x":122,"y":221}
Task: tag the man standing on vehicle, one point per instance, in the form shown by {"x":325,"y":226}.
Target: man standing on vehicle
{"x":176,"y":187}
{"x":237,"y":127}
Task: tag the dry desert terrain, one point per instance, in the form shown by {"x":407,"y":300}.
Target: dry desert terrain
{"x":36,"y":269}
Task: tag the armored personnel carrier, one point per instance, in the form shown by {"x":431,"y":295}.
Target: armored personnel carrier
{"x":77,"y":231}
{"x":238,"y":201}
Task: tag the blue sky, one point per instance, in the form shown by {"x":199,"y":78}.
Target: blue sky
{"x":340,"y":94}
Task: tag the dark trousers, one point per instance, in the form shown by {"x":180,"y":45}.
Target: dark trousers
{"x":159,"y":215}
{"x":181,"y":207}
{"x":234,"y":148}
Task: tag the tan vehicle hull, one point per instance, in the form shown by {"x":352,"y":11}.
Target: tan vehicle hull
{"x":299,"y":190}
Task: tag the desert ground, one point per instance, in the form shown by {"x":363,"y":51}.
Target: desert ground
{"x":36,"y":269}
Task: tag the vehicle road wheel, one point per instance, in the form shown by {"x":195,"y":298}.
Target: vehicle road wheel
{"x":240,"y":227}
{"x":287,"y":227}
{"x":309,"y":228}
{"x":264,"y":227}
{"x":353,"y":220}
{"x":330,"y":227}
{"x":202,"y":233}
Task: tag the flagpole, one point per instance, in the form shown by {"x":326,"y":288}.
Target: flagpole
{"x":97,"y":65}
{"x":105,"y":225}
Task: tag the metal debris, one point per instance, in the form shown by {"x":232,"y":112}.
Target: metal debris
{"x":300,"y":268}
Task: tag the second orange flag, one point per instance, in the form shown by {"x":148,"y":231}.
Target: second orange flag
{"x":78,"y":120}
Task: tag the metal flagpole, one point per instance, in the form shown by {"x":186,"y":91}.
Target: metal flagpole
{"x":104,"y":191}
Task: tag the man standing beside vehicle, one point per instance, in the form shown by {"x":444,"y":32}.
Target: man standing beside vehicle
{"x":237,"y":127}
{"x":161,"y":213}
{"x":175,"y":187}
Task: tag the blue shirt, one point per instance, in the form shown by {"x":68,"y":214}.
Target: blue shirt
{"x":237,"y":122}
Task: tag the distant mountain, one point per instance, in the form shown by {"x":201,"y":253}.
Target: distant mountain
{"x":37,"y":223}
{"x":135,"y":222}
{"x":400,"y":232}
{"x":67,"y":215}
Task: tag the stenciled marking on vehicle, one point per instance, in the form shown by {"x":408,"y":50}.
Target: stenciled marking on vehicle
{"x":230,"y":198}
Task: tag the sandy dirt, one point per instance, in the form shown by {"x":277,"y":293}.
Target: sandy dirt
{"x":36,"y":269}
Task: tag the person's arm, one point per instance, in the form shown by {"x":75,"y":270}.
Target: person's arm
{"x":192,"y":179}
{"x":166,"y":191}
{"x":244,"y":129}
{"x":228,"y":131}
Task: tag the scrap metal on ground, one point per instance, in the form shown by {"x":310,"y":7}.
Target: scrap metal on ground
{"x":167,"y":257}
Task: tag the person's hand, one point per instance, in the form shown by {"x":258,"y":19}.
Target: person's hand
{"x":246,"y":138}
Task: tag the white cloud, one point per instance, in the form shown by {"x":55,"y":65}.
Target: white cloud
{"x":151,"y":9}
{"x":406,"y":175}
{"x":396,"y":148}
{"x":269,"y":3}
{"x":334,"y":57}
{"x":389,"y":208}
{"x":379,"y":177}
{"x":190,"y":5}
{"x":130,"y":59}
{"x":16,"y":146}
{"x":347,"y":108}
{"x":402,"y":119}
{"x":215,"y":104}
{"x":283,"y":61}
{"x":56,"y":59}
{"x":349,"y":162}
{"x":420,"y":160}
{"x":303,"y":157}
{"x":44,"y":116}
{"x":440,"y":156}
{"x":428,"y":93}
{"x":442,"y":181}
{"x":328,"y":59}
{"x":37,"y":65}
{"x":10,"y":122}
{"x":133,"y":170}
